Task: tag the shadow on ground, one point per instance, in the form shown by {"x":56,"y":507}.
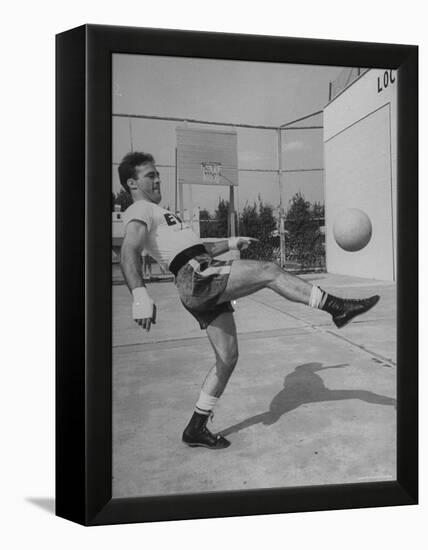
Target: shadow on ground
{"x":304,"y":386}
{"x":47,"y":504}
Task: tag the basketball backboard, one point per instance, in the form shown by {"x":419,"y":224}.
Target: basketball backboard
{"x":207,"y":157}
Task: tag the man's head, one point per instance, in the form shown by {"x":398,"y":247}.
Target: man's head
{"x":139,"y":177}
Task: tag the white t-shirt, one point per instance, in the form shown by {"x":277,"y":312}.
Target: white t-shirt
{"x":167,"y":234}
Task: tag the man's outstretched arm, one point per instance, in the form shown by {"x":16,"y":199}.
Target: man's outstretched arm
{"x":143,"y":307}
{"x":233,"y":243}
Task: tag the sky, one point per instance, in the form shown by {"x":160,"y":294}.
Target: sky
{"x":237,"y":92}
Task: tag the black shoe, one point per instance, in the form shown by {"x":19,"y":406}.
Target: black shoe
{"x":344,"y":310}
{"x":197,"y":434}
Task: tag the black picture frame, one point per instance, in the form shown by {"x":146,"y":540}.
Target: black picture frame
{"x":83,"y":271}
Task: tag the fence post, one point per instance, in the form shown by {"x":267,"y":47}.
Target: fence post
{"x":231,"y":217}
{"x":281,"y":201}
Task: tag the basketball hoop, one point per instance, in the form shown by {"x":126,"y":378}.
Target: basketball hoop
{"x":211,"y":172}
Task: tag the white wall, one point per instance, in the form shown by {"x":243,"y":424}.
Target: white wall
{"x":360,"y":129}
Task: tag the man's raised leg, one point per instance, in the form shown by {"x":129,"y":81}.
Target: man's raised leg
{"x":249,"y":276}
{"x":223,"y":338}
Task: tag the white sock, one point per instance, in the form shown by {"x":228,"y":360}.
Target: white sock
{"x":205,"y":403}
{"x":317,"y":297}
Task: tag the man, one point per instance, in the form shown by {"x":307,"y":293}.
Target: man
{"x":206,"y":286}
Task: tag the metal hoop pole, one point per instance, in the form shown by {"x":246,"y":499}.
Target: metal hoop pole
{"x":281,"y":201}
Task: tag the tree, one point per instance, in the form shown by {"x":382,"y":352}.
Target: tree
{"x":318,"y":210}
{"x":221,"y":215}
{"x":267,"y":219}
{"x":205,"y":223}
{"x":249,"y":221}
{"x":259,"y":222}
{"x":123,"y":199}
{"x":304,"y":242}
{"x":204,"y":214}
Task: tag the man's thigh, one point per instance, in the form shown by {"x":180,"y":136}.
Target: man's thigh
{"x":247,"y":277}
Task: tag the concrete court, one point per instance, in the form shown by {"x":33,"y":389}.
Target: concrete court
{"x":307,"y":404}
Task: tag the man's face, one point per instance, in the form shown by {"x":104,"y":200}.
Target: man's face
{"x":148,"y":181}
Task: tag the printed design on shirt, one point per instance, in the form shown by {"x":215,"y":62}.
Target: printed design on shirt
{"x":172,"y":219}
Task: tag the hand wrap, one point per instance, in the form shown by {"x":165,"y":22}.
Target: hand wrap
{"x":233,"y":243}
{"x":142,"y":305}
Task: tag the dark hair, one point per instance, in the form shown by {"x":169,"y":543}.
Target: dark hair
{"x":129,"y":163}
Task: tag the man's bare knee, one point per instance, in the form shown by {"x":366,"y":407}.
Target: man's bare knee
{"x":271,"y":271}
{"x":229,"y":358}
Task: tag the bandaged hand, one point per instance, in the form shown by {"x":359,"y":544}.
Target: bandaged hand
{"x":240,"y":243}
{"x":143,"y":308}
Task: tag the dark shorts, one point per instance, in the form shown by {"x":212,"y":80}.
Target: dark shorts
{"x":200,"y":283}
